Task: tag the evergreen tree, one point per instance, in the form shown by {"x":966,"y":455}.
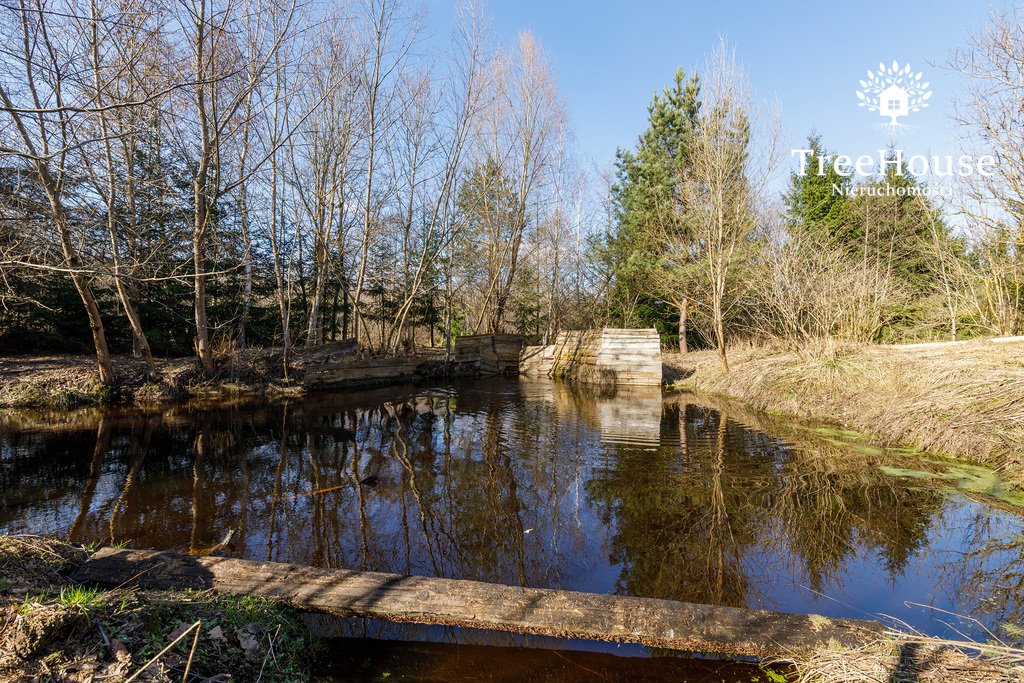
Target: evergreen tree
{"x":651,"y":207}
{"x":817,"y":204}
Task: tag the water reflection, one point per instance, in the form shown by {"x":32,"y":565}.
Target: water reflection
{"x":525,"y":483}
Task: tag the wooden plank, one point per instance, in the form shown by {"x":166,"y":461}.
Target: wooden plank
{"x":452,"y":602}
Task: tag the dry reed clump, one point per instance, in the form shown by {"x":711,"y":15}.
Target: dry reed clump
{"x":966,"y":401}
{"x":914,"y":659}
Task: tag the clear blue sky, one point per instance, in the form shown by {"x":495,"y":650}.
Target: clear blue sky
{"x":610,"y":57}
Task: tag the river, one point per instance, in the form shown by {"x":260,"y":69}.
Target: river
{"x":531,"y":483}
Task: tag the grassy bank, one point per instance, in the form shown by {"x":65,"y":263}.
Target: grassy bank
{"x":54,"y":630}
{"x":902,"y":658}
{"x":965,"y":401}
{"x":67,"y":381}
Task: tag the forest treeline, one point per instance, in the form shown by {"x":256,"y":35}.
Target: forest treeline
{"x":198,"y":176}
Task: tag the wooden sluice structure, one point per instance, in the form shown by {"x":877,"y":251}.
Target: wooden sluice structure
{"x":361,"y":372}
{"x":606,"y":356}
{"x":473,"y":604}
{"x":495,"y":354}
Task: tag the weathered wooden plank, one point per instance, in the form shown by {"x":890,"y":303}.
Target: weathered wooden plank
{"x":451,"y":602}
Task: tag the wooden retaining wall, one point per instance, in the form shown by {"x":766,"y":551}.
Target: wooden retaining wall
{"x":450,"y":602}
{"x":605,"y":356}
{"x":485,"y":354}
{"x":537,"y":361}
{"x":497,"y":354}
{"x":360,"y":372}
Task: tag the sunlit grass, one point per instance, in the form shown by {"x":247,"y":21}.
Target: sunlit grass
{"x":79,"y":597}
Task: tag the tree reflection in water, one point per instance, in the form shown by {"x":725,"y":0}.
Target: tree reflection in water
{"x":525,"y":483}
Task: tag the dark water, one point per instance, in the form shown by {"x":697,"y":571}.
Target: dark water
{"x":529,"y":483}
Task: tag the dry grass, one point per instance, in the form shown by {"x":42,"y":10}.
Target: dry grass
{"x":912,"y":659}
{"x":966,"y":401}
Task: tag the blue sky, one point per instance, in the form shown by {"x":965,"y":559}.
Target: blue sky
{"x":610,"y":57}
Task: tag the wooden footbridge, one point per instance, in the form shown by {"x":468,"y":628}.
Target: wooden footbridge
{"x":452,"y":602}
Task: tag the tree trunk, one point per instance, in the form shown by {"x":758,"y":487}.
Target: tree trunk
{"x":683,"y":306}
{"x":71,"y":259}
{"x":314,"y":333}
{"x":720,"y":334}
{"x":140,"y":345}
{"x":243,"y":318}
{"x":203,"y":350}
{"x":92,"y":309}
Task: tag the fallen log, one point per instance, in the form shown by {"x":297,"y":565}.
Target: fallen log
{"x":454,"y":602}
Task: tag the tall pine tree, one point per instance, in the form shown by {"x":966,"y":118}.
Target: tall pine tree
{"x":650,"y":204}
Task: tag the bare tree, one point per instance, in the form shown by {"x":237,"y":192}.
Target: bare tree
{"x":45,"y":123}
{"x":726,"y":180}
{"x":517,"y":139}
{"x":224,"y":71}
{"x":993,"y":205}
{"x":463,"y":92}
{"x":116,"y":52}
{"x":386,"y":54}
{"x":324,"y":146}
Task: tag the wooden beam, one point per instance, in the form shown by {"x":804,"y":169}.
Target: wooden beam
{"x":451,"y":602}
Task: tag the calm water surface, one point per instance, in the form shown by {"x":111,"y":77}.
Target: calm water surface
{"x":529,"y":483}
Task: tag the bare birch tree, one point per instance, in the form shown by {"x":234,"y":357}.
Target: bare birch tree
{"x":223,"y":75}
{"x":993,"y":205}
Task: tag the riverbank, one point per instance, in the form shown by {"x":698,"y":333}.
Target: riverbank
{"x":63,"y":382}
{"x":53,"y":629}
{"x":69,"y":381}
{"x":965,"y":401}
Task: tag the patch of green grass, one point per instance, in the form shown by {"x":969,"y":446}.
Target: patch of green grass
{"x":29,"y":600}
{"x":773,"y":675}
{"x":65,"y":399}
{"x":274,"y":625}
{"x":79,"y":597}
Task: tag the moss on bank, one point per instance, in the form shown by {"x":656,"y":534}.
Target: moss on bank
{"x":54,"y":630}
{"x":966,"y":402}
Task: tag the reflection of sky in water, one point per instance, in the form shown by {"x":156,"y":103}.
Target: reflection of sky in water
{"x":528,"y":483}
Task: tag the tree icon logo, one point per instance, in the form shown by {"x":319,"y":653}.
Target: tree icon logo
{"x":893,"y":91}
